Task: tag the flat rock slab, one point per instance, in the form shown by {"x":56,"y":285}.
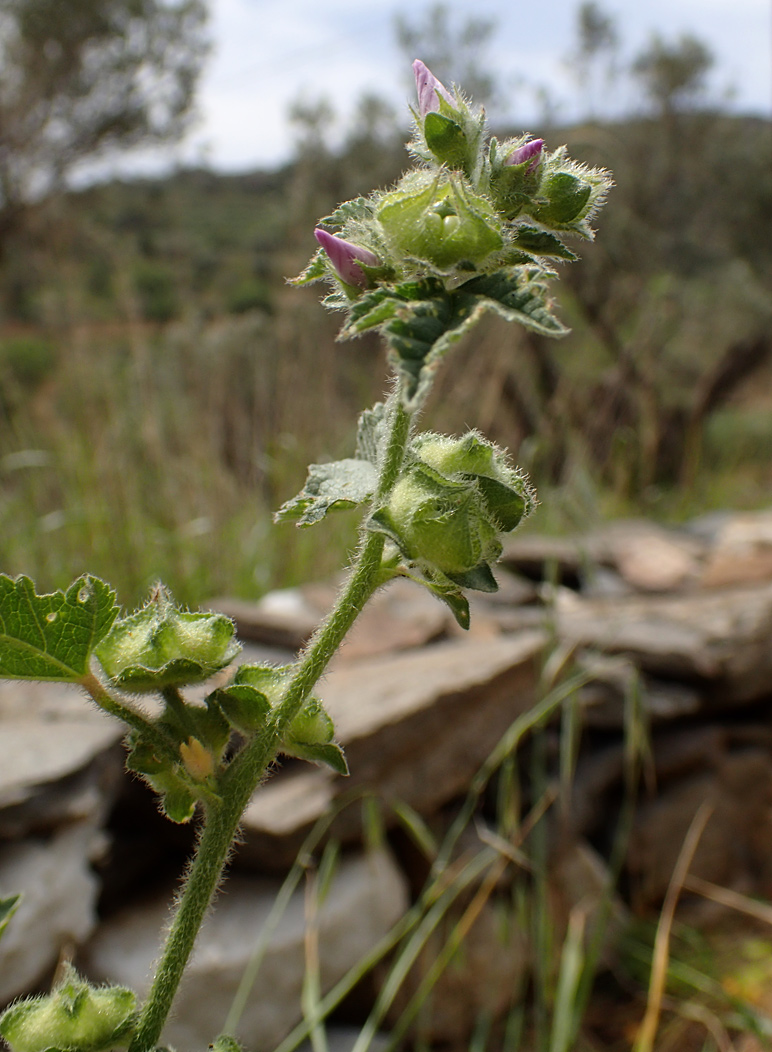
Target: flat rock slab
{"x":415,"y":726}
{"x":366,"y":897}
{"x":60,"y":757}
{"x":58,"y":906}
{"x":396,"y":618}
{"x":720,"y":638}
{"x":647,"y":557}
{"x":742,"y":551}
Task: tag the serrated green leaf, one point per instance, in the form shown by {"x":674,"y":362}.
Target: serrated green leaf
{"x":330,"y":487}
{"x":422,"y":320}
{"x":358,"y":208}
{"x":370,"y":433}
{"x":516,"y":296}
{"x":8,"y":907}
{"x":330,"y":754}
{"x":315,"y":271}
{"x":52,"y":637}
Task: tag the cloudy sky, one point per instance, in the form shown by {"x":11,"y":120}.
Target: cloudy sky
{"x":268,"y":53}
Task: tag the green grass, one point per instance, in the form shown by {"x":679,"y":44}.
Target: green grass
{"x":143,"y":453}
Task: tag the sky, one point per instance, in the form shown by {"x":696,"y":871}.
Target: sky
{"x":268,"y":53}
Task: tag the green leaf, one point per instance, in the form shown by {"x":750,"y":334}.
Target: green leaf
{"x":52,"y":637}
{"x":244,"y":707}
{"x":446,"y":139}
{"x":543,"y":243}
{"x":517,"y":295}
{"x":422,"y":320}
{"x":506,"y":504}
{"x":453,"y":598}
{"x":315,"y":271}
{"x":177,"y":797}
{"x":7,"y":909}
{"x":370,"y":433}
{"x":359,"y":208}
{"x":178,"y":802}
{"x":330,"y":754}
{"x":330,"y":487}
{"x":480,"y":578}
{"x":449,"y":592}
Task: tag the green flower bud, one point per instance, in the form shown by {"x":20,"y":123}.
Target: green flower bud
{"x":515,"y":174}
{"x":161,"y":645}
{"x":566,"y":199}
{"x":439,"y":220}
{"x":442,"y":524}
{"x":76,"y":1017}
{"x":504,"y":489}
{"x":569,"y":194}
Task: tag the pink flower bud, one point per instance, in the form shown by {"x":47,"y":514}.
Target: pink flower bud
{"x":429,"y":89}
{"x":524,"y":153}
{"x":346,"y":257}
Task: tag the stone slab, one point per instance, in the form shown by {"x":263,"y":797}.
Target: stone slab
{"x":415,"y":727}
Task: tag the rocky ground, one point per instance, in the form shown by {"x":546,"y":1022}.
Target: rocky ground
{"x":679,"y":622}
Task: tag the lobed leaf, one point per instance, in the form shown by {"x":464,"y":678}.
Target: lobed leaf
{"x":52,"y":637}
{"x":330,"y":487}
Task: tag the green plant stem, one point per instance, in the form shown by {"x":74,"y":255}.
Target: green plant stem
{"x":116,"y":706}
{"x":239,"y":781}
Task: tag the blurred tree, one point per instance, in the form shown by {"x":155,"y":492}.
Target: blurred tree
{"x":82,"y":78}
{"x":673,"y":74}
{"x":594,"y":62}
{"x":314,"y":121}
{"x":454,"y":54}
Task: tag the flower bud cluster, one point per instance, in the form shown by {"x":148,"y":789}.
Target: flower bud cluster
{"x":461,"y":211}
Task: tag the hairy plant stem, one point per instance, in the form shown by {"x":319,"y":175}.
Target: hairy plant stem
{"x":222,"y":816}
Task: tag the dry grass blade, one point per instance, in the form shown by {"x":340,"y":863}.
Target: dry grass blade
{"x":733,"y":900}
{"x":648,"y":1028}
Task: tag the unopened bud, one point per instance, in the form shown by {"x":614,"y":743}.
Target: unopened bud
{"x":429,"y":89}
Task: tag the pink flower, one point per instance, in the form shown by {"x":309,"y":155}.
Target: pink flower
{"x":429,"y":89}
{"x":525,"y":152}
{"x":346,"y":257}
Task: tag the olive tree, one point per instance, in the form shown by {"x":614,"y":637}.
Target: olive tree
{"x":83,"y":78}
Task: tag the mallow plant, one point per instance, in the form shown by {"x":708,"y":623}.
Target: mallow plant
{"x":476,"y":225}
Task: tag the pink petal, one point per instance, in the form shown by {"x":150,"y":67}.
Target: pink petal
{"x":344,"y":255}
